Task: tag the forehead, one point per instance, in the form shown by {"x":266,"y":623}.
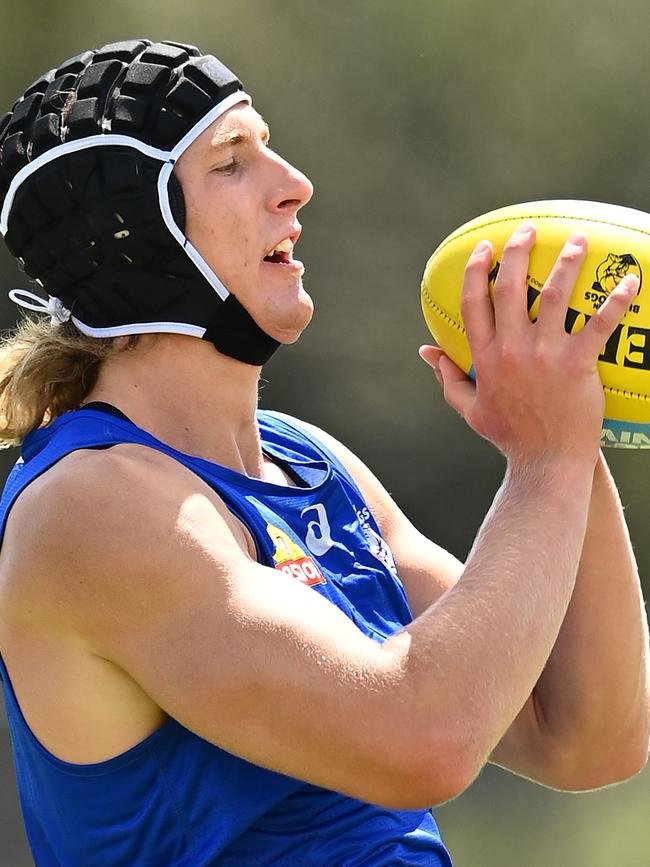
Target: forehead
{"x":239,"y":124}
{"x":241,"y":120}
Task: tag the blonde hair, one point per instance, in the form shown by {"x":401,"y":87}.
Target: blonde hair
{"x":46,"y":370}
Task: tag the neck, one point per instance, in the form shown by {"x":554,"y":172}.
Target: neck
{"x":185,"y":393}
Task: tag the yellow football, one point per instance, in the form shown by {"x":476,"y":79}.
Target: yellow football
{"x":619,"y":244}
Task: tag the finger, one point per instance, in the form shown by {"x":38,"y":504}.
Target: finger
{"x":458,"y":390}
{"x":554,"y":299}
{"x":603,"y":322}
{"x":475,"y":304}
{"x":432,"y":355}
{"x":510,"y":287}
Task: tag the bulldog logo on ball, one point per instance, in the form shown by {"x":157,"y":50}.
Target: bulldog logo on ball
{"x":611,"y":271}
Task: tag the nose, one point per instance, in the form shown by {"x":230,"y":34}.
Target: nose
{"x":291,"y":190}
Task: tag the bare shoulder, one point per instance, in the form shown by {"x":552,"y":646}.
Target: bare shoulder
{"x":106,"y":513}
{"x":138,"y":562}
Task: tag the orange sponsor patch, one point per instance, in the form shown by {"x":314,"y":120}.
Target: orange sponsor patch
{"x":304,"y":570}
{"x":292,"y":560}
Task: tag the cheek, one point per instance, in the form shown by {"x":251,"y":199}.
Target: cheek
{"x":221,"y":224}
{"x":240,"y":245}
{"x":223,"y":238}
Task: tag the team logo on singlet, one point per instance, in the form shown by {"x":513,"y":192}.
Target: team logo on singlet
{"x":292,"y":560}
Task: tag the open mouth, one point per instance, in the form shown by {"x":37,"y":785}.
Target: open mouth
{"x":281,"y":254}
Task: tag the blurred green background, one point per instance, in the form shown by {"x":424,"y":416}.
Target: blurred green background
{"x":410,"y":118}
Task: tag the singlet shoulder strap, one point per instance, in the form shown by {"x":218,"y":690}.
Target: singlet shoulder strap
{"x":44,"y":447}
{"x":288,"y":433}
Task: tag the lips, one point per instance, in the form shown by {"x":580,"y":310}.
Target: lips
{"x":281,"y":253}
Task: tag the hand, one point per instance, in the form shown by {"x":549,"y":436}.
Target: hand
{"x":537,"y":392}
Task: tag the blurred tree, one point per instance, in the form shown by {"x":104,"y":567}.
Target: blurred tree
{"x":410,"y":119}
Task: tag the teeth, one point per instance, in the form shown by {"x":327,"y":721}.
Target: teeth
{"x":285,"y":246}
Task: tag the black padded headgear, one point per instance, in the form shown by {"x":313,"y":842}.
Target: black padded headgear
{"x":90,"y":204}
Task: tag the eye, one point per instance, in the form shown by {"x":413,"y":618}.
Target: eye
{"x":228,"y":168}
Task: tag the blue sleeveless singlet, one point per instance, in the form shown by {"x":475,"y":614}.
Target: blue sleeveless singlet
{"x":175,"y":800}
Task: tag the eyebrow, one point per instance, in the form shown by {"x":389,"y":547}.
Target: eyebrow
{"x":238,"y":136}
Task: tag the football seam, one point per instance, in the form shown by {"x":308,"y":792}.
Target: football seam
{"x":441,"y":311}
{"x":621,"y":392}
{"x":523,"y":217}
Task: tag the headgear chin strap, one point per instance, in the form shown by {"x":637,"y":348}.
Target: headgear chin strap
{"x":90,"y":204}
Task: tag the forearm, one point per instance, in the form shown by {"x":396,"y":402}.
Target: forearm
{"x":485,"y":642}
{"x":593,"y":694}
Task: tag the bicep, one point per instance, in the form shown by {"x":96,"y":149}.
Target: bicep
{"x":259,"y":665}
{"x":246,"y":657}
{"x":267,"y":669}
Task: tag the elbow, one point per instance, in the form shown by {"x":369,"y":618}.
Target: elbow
{"x":617,"y":766}
{"x":426,"y":776}
{"x":599,"y":751}
{"x":630,"y":756}
{"x":603,"y":766}
{"x":623,"y":757}
{"x":419,"y":792}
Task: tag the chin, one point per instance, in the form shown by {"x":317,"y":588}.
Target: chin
{"x":286,"y":326}
{"x":290,"y":333}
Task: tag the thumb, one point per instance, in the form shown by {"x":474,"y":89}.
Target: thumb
{"x":459,"y":391}
{"x":431,"y":355}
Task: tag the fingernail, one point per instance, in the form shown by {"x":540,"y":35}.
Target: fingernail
{"x":432,"y":362}
{"x":630,"y":281}
{"x":577,"y":240}
{"x":482,"y":247}
{"x":525,"y":229}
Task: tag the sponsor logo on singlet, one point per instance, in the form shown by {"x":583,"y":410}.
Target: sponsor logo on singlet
{"x":289,"y":558}
{"x":319,"y":536}
{"x":378,"y":548}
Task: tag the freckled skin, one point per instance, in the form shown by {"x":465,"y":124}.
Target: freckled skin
{"x":241,"y":200}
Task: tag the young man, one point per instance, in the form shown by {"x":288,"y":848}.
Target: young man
{"x":222,"y":642}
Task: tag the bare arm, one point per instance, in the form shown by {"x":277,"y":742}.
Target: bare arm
{"x":586,"y":722}
{"x":591,"y":703}
{"x":268,"y":669}
{"x":264,"y":667}
{"x":580,"y":746}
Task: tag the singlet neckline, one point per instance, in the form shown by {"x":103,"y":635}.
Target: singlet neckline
{"x":109,"y":408}
{"x":285,"y":466}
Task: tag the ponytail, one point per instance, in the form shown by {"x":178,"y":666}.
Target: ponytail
{"x":45,"y":371}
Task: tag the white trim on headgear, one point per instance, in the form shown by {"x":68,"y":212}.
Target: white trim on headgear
{"x":168,"y":158}
{"x":60,"y":314}
{"x":174,"y":228}
{"x":163,"y":187}
{"x":69,"y":147}
{"x":114,"y":139}
{"x":202,"y":124}
{"x":140,"y":328}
